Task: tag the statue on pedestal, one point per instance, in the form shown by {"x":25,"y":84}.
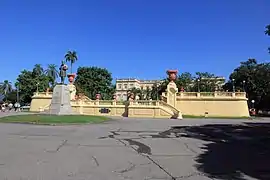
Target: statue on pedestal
{"x":60,"y":104}
{"x":63,"y":68}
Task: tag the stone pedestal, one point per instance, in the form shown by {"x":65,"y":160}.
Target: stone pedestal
{"x":72,"y":90}
{"x":71,"y":86}
{"x":171,"y":93}
{"x":172,"y":88}
{"x":60,"y":104}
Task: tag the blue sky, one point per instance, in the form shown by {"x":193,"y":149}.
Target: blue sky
{"x":133,"y":38}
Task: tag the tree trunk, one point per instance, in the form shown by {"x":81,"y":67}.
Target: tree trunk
{"x":5,"y":95}
{"x":71,"y":67}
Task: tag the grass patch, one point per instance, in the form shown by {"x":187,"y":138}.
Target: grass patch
{"x":215,"y":117}
{"x":53,"y":119}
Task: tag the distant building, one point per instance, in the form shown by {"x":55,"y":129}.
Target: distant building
{"x":219,"y":81}
{"x":123,"y":85}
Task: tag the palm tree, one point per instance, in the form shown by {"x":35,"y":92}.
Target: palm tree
{"x":52,"y":72}
{"x":71,"y":56}
{"x":267,"y":31}
{"x":157,"y":90}
{"x":38,"y":70}
{"x":146,"y":93}
{"x":6,"y":87}
{"x":136,"y":92}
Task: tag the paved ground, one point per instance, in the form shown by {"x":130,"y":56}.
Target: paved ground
{"x":136,"y":149}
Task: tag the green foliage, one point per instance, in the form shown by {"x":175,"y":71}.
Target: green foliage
{"x":207,"y":83}
{"x":161,"y":88}
{"x":38,"y":70}
{"x":12,"y":97}
{"x":157,"y":91}
{"x":146,"y":94}
{"x":71,"y":56}
{"x":185,"y":80}
{"x":53,"y":73}
{"x":93,"y":80}
{"x":5,"y":87}
{"x":136,"y":92}
{"x":254,"y":78}
{"x":28,"y":81}
{"x":267,"y":32}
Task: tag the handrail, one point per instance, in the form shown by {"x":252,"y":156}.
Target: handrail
{"x":216,"y":94}
{"x":46,"y":106}
{"x":176,"y":111}
{"x":207,"y":94}
{"x":145,"y":102}
{"x":240,"y":94}
{"x":42,"y":94}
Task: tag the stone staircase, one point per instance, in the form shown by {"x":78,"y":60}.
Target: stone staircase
{"x":176,"y":114}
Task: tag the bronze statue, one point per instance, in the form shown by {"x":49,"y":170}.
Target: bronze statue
{"x":63,"y":68}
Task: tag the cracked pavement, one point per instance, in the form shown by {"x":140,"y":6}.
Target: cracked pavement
{"x":123,"y":149}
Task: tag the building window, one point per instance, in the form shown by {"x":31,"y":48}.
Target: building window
{"x":124,"y":97}
{"x":119,"y":86}
{"x":131,"y":86}
{"x":125,"y":86}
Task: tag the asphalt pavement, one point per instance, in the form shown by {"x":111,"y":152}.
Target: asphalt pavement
{"x":137,"y":149}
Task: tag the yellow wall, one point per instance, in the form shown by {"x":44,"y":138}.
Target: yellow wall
{"x":223,"y":105}
{"x":95,"y":110}
{"x":149,"y":112}
{"x":214,"y":107}
{"x":39,"y":103}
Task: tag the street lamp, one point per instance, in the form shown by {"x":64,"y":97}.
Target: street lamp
{"x":18,"y":87}
{"x":37,"y":86}
{"x":198,"y":85}
{"x":233,"y":85}
{"x":244,"y":85}
{"x":157,"y":88}
{"x":253,"y":101}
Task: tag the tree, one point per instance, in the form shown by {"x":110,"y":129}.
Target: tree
{"x":94,"y":80}
{"x":52,"y":72}
{"x":29,"y":81}
{"x":38,"y":70}
{"x":267,"y":32}
{"x":12,"y":96}
{"x":254,"y":78}
{"x":146,"y":93}
{"x":206,"y":82}
{"x":136,"y":92}
{"x":185,"y":80}
{"x":157,"y":90}
{"x":71,"y":56}
{"x":5,"y":87}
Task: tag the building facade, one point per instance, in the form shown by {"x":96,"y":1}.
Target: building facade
{"x":123,"y":85}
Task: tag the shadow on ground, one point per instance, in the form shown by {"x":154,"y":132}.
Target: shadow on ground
{"x":233,"y":151}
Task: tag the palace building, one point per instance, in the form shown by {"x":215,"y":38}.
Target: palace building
{"x":123,"y":85}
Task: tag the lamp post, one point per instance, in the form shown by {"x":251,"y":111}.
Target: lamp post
{"x":157,"y":86}
{"x":37,"y":86}
{"x":253,"y":101}
{"x":18,"y":87}
{"x":244,"y":85}
{"x":233,"y":85}
{"x":198,"y":80}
